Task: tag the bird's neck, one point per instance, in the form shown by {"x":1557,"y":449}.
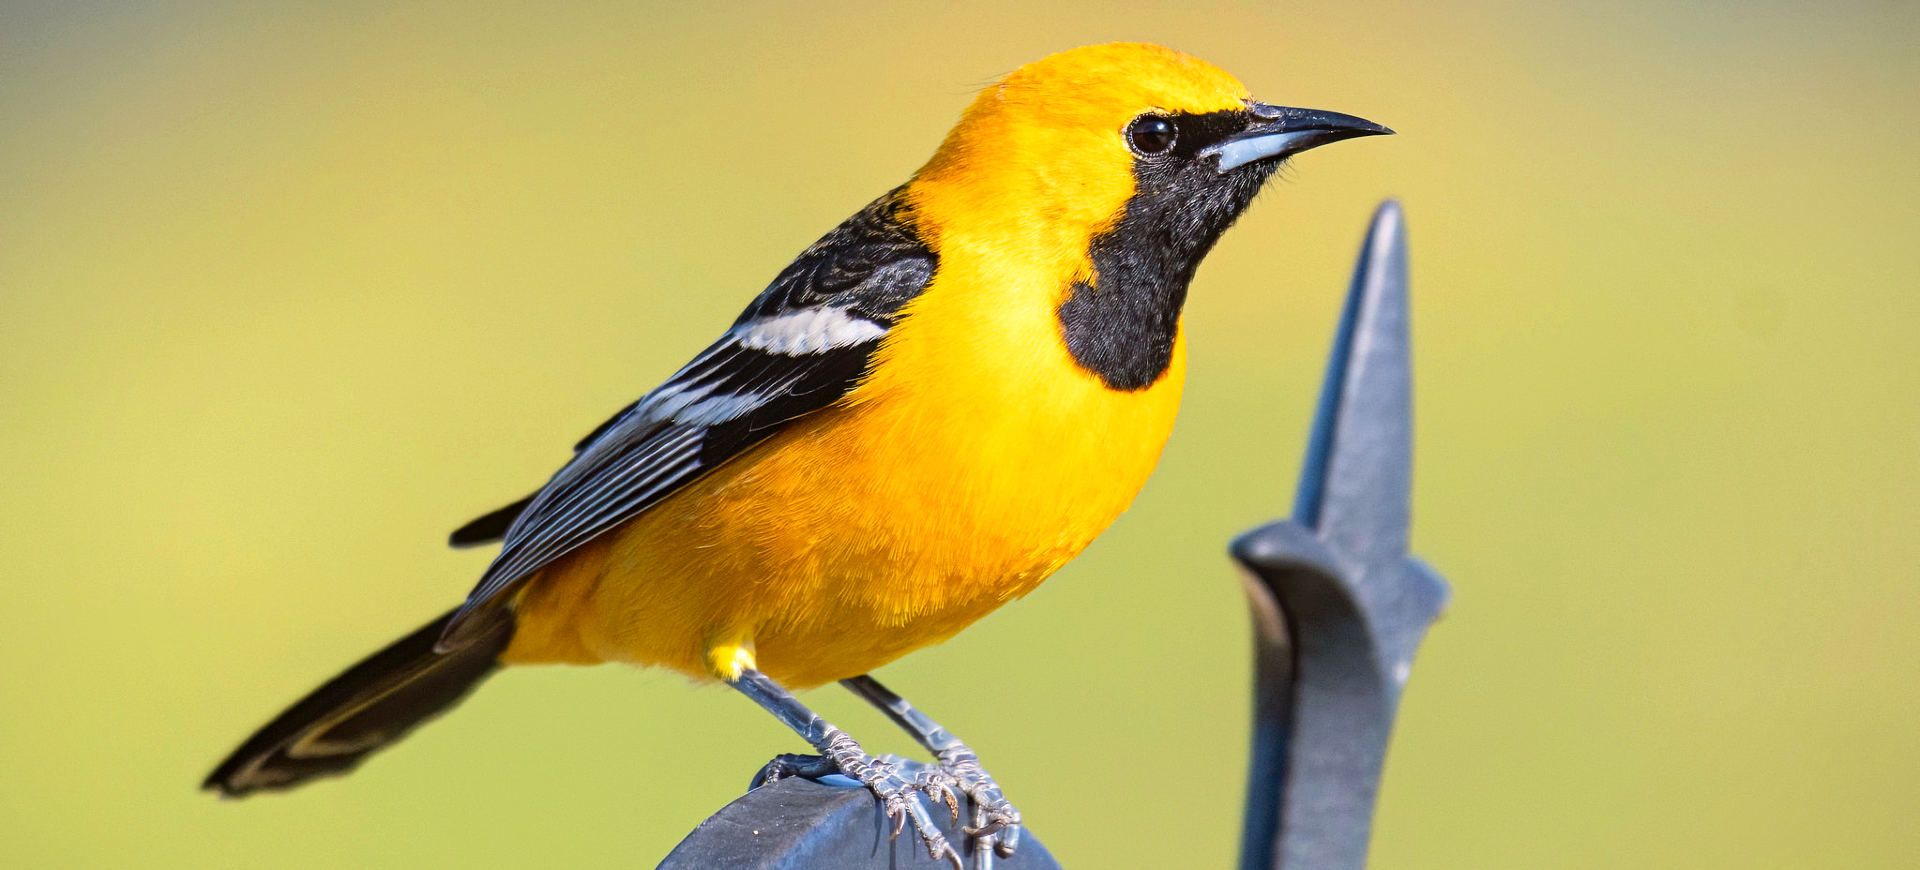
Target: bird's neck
{"x":1114,"y":288}
{"x":1121,"y":323}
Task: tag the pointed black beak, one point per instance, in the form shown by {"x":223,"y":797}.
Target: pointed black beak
{"x":1280,"y":132}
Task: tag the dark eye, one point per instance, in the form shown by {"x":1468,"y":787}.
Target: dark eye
{"x":1151,"y":134}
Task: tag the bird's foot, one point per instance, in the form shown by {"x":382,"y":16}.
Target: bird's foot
{"x":788,"y":765}
{"x":995,"y":824}
{"x":897,"y":782}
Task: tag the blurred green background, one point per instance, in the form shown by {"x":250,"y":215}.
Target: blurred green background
{"x":289,"y":290}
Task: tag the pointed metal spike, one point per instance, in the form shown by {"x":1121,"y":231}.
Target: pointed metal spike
{"x":1354,"y":485}
{"x":1339,"y":606}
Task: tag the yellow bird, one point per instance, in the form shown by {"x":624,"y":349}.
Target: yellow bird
{"x":932,"y":409}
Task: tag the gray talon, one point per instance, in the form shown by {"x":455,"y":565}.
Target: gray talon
{"x":891,"y":779}
{"x":1004,"y":846}
{"x":894,"y":781}
{"x":995,"y":823}
{"x":995,"y":828}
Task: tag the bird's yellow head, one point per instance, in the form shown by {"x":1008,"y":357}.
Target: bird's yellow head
{"x":1115,"y":168}
{"x":1049,"y":141}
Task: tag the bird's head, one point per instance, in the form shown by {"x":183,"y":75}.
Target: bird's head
{"x":1065,"y":148}
{"x":1103,"y":175}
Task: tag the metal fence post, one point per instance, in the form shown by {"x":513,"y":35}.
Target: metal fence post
{"x":1338,"y":606}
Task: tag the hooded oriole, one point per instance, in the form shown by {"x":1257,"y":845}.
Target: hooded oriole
{"x":933,"y":408}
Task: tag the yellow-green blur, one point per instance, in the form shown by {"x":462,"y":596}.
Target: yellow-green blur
{"x":288,"y":291}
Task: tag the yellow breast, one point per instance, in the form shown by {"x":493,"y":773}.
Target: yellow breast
{"x":973,"y":462}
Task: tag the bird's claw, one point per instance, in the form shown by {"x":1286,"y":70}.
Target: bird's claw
{"x":995,"y":824}
{"x":789,"y":765}
{"x":897,"y":782}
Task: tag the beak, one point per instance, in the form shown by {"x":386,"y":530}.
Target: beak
{"x":1284,"y":132}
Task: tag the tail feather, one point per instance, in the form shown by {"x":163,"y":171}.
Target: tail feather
{"x":371,"y":705}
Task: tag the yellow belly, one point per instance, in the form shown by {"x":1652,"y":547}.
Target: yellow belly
{"x":954,"y":480}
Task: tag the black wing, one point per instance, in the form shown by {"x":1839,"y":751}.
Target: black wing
{"x":799,"y":347}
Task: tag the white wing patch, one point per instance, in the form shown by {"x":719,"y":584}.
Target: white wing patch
{"x":809,"y":331}
{"x":669,"y":400}
{"x":701,"y":394}
{"x":719,"y":409}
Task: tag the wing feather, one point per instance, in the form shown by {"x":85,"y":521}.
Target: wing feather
{"x":800,"y":347}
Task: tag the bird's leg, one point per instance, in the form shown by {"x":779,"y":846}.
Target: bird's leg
{"x":888,"y":777}
{"x":996,"y":823}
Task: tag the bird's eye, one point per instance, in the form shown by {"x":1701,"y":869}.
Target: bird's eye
{"x":1149,"y":135}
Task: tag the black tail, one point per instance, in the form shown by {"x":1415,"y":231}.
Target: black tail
{"x":373,"y":704}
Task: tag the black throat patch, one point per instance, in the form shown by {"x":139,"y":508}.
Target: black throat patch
{"x":1121,"y":325}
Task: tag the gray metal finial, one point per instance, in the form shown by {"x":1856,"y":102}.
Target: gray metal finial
{"x":1339,"y":607}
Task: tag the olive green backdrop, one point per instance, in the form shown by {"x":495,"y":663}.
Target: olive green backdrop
{"x":288,"y":291}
